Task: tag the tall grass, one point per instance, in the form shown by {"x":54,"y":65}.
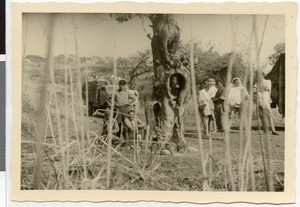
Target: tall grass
{"x":195,"y":104}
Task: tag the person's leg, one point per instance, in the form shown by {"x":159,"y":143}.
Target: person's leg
{"x":218,"y":118}
{"x":232,"y":112}
{"x":239,"y":111}
{"x":263,"y":118}
{"x":209,"y":120}
{"x":119,"y":119}
{"x":124,"y":110}
{"x":270,"y":119}
{"x":213,"y":126}
{"x":260,"y":111}
{"x":204,"y":120}
{"x":223,"y":120}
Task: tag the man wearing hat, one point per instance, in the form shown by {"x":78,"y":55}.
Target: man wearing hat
{"x":206,"y":106}
{"x":124,"y":99}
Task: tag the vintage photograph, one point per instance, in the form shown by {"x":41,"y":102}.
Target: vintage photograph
{"x":143,"y":101}
{"x":153,"y":102}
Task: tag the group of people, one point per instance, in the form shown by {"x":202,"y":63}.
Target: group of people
{"x":126,"y":126}
{"x":218,"y":105}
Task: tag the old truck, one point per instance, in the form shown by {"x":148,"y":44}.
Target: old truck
{"x":99,"y":93}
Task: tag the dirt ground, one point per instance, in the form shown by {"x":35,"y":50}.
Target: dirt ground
{"x":184,"y":170}
{"x":181,"y":171}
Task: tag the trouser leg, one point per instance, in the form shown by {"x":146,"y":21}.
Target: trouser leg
{"x":205,"y":123}
{"x":213,"y":120}
{"x":210,"y":120}
{"x":263,"y":118}
{"x":270,"y":118}
{"x":231,"y":115}
{"x":120,"y":119}
{"x":219,"y":115}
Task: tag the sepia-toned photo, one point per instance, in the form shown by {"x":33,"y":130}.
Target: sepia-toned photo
{"x":166,"y":102}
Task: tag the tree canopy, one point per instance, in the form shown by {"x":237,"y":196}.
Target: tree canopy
{"x":278,"y":49}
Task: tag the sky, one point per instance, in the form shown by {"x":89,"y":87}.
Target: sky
{"x":98,"y":35}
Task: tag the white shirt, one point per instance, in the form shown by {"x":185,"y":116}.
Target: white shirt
{"x":205,"y":100}
{"x":235,"y":96}
{"x":212,"y":91}
{"x":264,"y":94}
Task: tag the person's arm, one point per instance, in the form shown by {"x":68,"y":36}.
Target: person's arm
{"x":131,"y":97}
{"x":255,"y":88}
{"x":115,"y":128}
{"x":215,"y":99}
{"x":140,"y":123}
{"x":246,"y":95}
{"x":136,"y":93}
{"x":129,"y":124}
{"x":117,"y":99}
{"x":201,"y":100}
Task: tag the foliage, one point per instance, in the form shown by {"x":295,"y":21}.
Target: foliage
{"x":278,"y":49}
{"x":127,"y":17}
{"x":135,"y":69}
{"x":36,"y":59}
{"x":59,"y":59}
{"x":137,"y":65}
{"x":71,"y":59}
{"x":211,"y":64}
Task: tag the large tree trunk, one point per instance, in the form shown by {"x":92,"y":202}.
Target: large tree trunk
{"x":171,"y":82}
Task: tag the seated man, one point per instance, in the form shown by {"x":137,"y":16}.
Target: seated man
{"x":132,"y":125}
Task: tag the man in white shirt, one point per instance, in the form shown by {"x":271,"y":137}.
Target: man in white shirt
{"x":212,"y":91}
{"x":264,"y":101}
{"x":134,"y":127}
{"x":206,"y":106}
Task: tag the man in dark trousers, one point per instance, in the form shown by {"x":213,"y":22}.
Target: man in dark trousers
{"x":124,"y":100}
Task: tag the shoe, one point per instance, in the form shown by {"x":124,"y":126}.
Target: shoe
{"x":275,"y":133}
{"x":205,"y":137}
{"x":221,"y":139}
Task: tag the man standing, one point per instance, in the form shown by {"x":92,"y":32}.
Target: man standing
{"x":264,"y":104}
{"x":219,"y":100}
{"x":212,"y":93}
{"x":124,"y":99}
{"x":135,"y":94}
{"x":206,"y":106}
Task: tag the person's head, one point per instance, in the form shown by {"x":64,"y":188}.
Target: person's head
{"x":219,"y":84}
{"x":131,"y":114}
{"x":122,"y":84}
{"x":236,"y":82}
{"x":209,"y":83}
